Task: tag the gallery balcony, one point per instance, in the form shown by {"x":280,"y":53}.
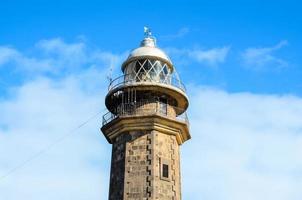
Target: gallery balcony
{"x":145,"y":108}
{"x":146,"y":78}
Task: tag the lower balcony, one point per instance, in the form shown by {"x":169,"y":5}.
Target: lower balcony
{"x":145,"y":108}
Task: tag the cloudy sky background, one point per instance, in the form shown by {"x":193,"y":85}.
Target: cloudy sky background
{"x":240,"y":65}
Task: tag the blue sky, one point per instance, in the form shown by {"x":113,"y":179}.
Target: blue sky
{"x":116,"y":26}
{"x":239,"y":60}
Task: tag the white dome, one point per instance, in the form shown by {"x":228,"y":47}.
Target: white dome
{"x":148,"y":50}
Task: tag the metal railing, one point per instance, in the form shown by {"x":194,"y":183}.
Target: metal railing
{"x":146,"y":108}
{"x":129,"y":79}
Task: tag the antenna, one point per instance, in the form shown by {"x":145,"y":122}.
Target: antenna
{"x":109,"y":76}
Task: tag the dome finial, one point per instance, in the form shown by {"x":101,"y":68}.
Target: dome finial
{"x":147,"y":31}
{"x":149,"y":40}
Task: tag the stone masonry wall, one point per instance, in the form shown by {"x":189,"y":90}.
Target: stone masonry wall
{"x":136,"y":171}
{"x":118,"y":167}
{"x":138,"y":166}
{"x":167,"y":152}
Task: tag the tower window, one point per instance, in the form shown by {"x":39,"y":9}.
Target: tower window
{"x":165,"y":166}
{"x":165,"y":171}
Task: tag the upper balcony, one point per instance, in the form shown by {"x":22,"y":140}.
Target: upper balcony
{"x":166,"y":84}
{"x":143,"y":78}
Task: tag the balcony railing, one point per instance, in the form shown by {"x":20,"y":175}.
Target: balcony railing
{"x":146,"y":108}
{"x":130,"y":79}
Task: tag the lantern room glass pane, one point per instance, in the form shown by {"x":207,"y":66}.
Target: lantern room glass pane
{"x":129,"y":72}
{"x":147,"y":70}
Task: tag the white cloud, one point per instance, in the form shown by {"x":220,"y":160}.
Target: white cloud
{"x":263,"y":57}
{"x":179,"y":34}
{"x":40,"y":112}
{"x":12,"y":57}
{"x":6,"y":54}
{"x":56,"y":56}
{"x":210,"y":57}
{"x":58,"y":46}
{"x":249,"y":146}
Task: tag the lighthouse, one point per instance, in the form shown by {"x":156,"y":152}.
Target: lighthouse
{"x":146,"y":125}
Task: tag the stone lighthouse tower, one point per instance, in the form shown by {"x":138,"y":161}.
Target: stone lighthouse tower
{"x":146,"y":124}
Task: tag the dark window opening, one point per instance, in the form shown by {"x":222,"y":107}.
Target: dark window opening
{"x":165,"y":171}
